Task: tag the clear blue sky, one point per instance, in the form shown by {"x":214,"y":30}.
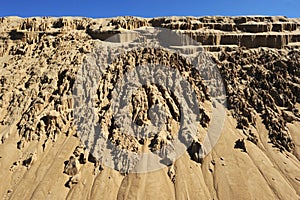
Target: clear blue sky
{"x":147,"y":8}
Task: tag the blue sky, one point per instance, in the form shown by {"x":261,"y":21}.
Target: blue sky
{"x":145,"y":8}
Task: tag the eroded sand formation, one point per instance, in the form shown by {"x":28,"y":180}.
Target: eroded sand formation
{"x":256,"y":157}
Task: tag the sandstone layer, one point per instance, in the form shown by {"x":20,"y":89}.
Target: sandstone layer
{"x":256,"y":157}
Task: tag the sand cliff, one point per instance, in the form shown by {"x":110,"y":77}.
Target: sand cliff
{"x":256,"y":157}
